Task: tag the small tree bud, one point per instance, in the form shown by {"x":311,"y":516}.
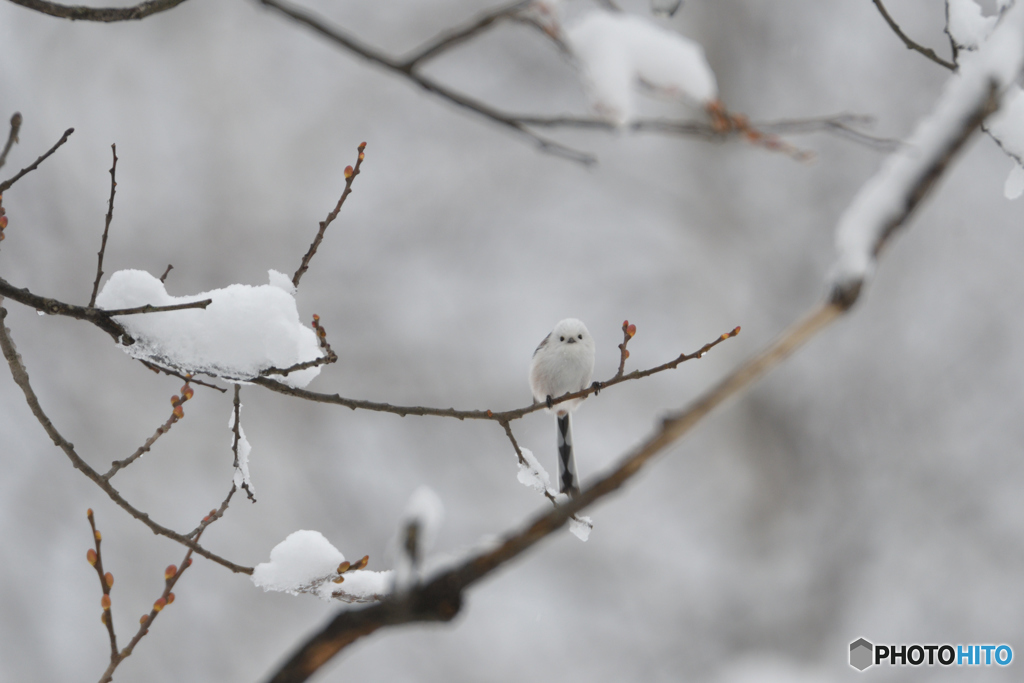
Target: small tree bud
{"x":170,"y":598}
{"x":91,"y":556}
{"x":170,"y":572}
{"x":105,"y":601}
{"x":109,"y":579}
{"x":159,"y":604}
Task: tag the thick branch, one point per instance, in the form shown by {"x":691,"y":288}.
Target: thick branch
{"x":97,"y":317}
{"x":105,"y":14}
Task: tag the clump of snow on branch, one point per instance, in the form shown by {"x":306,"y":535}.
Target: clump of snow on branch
{"x":581,"y":526}
{"x":969,"y":30}
{"x":306,"y":562}
{"x":882,"y":200}
{"x":241,"y":478}
{"x":966,"y":25}
{"x":616,"y":52}
{"x":417,"y":532}
{"x":244,"y":331}
{"x":533,"y":474}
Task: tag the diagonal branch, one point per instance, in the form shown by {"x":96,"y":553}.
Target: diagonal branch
{"x":456,"y":36}
{"x":105,"y":14}
{"x":20,"y":375}
{"x":4,"y":186}
{"x":911,"y":45}
{"x":370,"y":54}
{"x":350,"y":175}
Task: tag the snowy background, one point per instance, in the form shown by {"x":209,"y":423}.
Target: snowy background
{"x":869,"y":487}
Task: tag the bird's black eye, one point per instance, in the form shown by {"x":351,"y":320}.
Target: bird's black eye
{"x":561,"y":339}
{"x":579,"y":336}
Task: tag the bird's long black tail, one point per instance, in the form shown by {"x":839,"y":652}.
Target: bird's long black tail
{"x":568,"y":482}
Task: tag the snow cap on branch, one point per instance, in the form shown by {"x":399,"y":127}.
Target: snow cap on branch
{"x":244,"y":331}
{"x":616,"y":52}
{"x":884,"y":202}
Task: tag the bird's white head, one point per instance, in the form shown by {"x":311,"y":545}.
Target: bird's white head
{"x":570,"y":332}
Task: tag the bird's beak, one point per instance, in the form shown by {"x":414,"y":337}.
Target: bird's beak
{"x":572,"y":340}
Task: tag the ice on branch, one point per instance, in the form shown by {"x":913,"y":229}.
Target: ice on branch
{"x":241,"y":479}
{"x":306,"y":562}
{"x":581,"y":526}
{"x":416,"y":535}
{"x":617,"y":52}
{"x":882,"y":202}
{"x":247,"y":329}
{"x":966,"y":25}
{"x":533,"y":474}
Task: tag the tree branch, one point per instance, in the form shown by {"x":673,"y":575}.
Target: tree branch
{"x":349,"y":43}
{"x":456,"y":36}
{"x":106,"y":229}
{"x":911,"y":45}
{"x":506,"y":416}
{"x":350,"y":175}
{"x":12,"y":137}
{"x":105,"y":14}
{"x":4,"y":186}
{"x":20,"y":375}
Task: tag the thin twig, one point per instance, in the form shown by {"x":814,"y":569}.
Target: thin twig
{"x":508,"y":415}
{"x":214,"y":514}
{"x":163,"y":278}
{"x":349,"y":43}
{"x":21,"y":378}
{"x":174,"y":373}
{"x":456,"y":36}
{"x":171,"y":576}
{"x":4,"y":186}
{"x":628,"y":331}
{"x":106,"y":14}
{"x":106,"y":228}
{"x":323,"y":360}
{"x":12,"y":137}
{"x":350,"y":175}
{"x":177,"y":413}
{"x":148,"y":308}
{"x":95,"y":558}
{"x":911,"y":45}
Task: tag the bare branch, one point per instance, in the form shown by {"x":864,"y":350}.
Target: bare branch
{"x":95,"y":558}
{"x":506,"y":416}
{"x":171,"y":576}
{"x":350,"y":175}
{"x":12,"y":137}
{"x":346,"y":41}
{"x":911,"y":45}
{"x":148,"y":308}
{"x":20,"y":376}
{"x":97,"y":317}
{"x":456,"y":36}
{"x":4,"y":186}
{"x":118,"y":465}
{"x":163,"y":278}
{"x":105,"y":14}
{"x":106,"y":228}
{"x":236,"y":426}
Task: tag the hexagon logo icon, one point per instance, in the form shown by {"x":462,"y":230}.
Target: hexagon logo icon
{"x":861,"y":654}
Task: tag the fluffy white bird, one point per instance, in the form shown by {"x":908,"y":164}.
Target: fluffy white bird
{"x":563,"y":363}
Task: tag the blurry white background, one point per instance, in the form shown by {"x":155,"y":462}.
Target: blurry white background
{"x":869,"y":487}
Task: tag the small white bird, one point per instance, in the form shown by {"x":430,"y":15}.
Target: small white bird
{"x":563,"y":363}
